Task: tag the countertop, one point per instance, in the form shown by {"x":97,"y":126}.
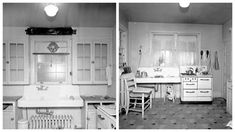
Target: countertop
{"x":98,"y":98}
{"x":199,"y":76}
{"x":11,"y":98}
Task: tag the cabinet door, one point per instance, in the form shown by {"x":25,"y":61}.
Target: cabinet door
{"x":4,"y":59}
{"x":82,"y":63}
{"x":18,"y":70}
{"x":15,"y":66}
{"x":8,"y":120}
{"x":101,"y":62}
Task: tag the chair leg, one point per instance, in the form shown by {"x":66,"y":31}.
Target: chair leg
{"x":135,"y":103}
{"x":142,"y":105}
{"x":151,"y":100}
{"x":127,"y":106}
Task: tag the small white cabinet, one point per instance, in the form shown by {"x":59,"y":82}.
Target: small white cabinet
{"x":11,"y":113}
{"x":89,"y":111}
{"x":105,"y":118}
{"x":90,"y":59}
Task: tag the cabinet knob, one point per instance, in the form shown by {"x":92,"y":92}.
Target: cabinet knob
{"x":102,"y":118}
{"x":7,"y":62}
{"x":92,"y":62}
{"x":12,"y":119}
{"x":112,"y":126}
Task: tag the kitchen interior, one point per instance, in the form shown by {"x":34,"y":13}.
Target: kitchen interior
{"x":59,"y":66}
{"x":175,"y":65}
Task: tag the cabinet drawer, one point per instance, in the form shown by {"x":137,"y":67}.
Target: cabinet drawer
{"x":102,"y":120}
{"x":204,"y":93}
{"x":204,"y":83}
{"x":190,"y":85}
{"x":190,"y":92}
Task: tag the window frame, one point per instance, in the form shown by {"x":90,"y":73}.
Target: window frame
{"x":176,"y":34}
{"x":33,"y":57}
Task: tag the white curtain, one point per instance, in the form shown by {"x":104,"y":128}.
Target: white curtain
{"x":174,"y":50}
{"x":187,"y":48}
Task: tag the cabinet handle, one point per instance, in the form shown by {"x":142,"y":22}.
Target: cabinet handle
{"x":190,"y":91}
{"x":92,"y":62}
{"x":102,"y":118}
{"x":112,"y":126}
{"x":190,"y":84}
{"x":204,"y":91}
{"x":204,"y":79}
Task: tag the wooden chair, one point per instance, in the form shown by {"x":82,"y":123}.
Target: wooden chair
{"x":137,"y":99}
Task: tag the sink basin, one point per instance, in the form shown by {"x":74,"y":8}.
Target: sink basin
{"x":56,"y":102}
{"x":53,"y":97}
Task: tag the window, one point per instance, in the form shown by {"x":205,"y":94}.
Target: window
{"x":51,"y":68}
{"x":175,"y":49}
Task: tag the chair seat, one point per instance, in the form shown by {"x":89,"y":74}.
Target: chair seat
{"x":138,"y":95}
{"x":142,"y":90}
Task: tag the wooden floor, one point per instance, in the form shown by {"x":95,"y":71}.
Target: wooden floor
{"x":171,"y":115}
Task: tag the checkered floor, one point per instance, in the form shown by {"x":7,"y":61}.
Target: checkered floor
{"x":171,"y":115}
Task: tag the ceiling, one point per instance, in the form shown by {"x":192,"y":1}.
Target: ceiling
{"x":196,"y":13}
{"x":69,"y":14}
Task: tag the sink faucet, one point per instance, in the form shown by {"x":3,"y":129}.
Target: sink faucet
{"x":41,"y":87}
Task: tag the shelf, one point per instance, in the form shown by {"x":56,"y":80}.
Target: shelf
{"x":50,"y":53}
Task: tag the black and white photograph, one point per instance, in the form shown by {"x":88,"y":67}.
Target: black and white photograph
{"x":175,"y":65}
{"x":59,"y":65}
{"x":117,"y":65}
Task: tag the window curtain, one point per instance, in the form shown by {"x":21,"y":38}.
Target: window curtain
{"x":187,"y":48}
{"x":163,"y":50}
{"x":174,"y":50}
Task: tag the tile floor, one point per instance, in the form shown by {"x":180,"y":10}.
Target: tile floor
{"x":171,"y":115}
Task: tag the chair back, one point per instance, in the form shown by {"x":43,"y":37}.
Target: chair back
{"x":129,"y":81}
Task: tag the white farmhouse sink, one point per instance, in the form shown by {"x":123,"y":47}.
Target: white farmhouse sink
{"x":54,"y":96}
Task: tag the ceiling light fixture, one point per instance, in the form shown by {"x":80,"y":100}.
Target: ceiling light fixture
{"x":51,"y":10}
{"x":184,"y":3}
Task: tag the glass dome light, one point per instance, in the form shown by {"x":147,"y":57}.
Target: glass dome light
{"x":51,"y":10}
{"x":184,"y":4}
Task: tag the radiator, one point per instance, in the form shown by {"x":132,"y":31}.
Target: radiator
{"x":51,"y":122}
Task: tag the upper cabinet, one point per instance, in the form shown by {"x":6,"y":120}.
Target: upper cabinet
{"x":15,"y":56}
{"x":90,"y":60}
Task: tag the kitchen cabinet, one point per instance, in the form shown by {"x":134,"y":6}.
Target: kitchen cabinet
{"x":90,"y":59}
{"x":106,"y":117}
{"x":11,"y":113}
{"x":195,"y":88}
{"x":15,"y":56}
{"x":89,"y":111}
{"x":15,"y":63}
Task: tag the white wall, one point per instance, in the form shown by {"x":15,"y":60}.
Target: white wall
{"x":227,"y":39}
{"x":211,"y":38}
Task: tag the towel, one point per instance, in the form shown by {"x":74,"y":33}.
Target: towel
{"x":109,"y":75}
{"x":216,"y":63}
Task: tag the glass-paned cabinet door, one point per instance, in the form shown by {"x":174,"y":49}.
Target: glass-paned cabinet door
{"x":4,"y":59}
{"x":16,"y":62}
{"x":101,"y":55}
{"x":83,"y":62}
